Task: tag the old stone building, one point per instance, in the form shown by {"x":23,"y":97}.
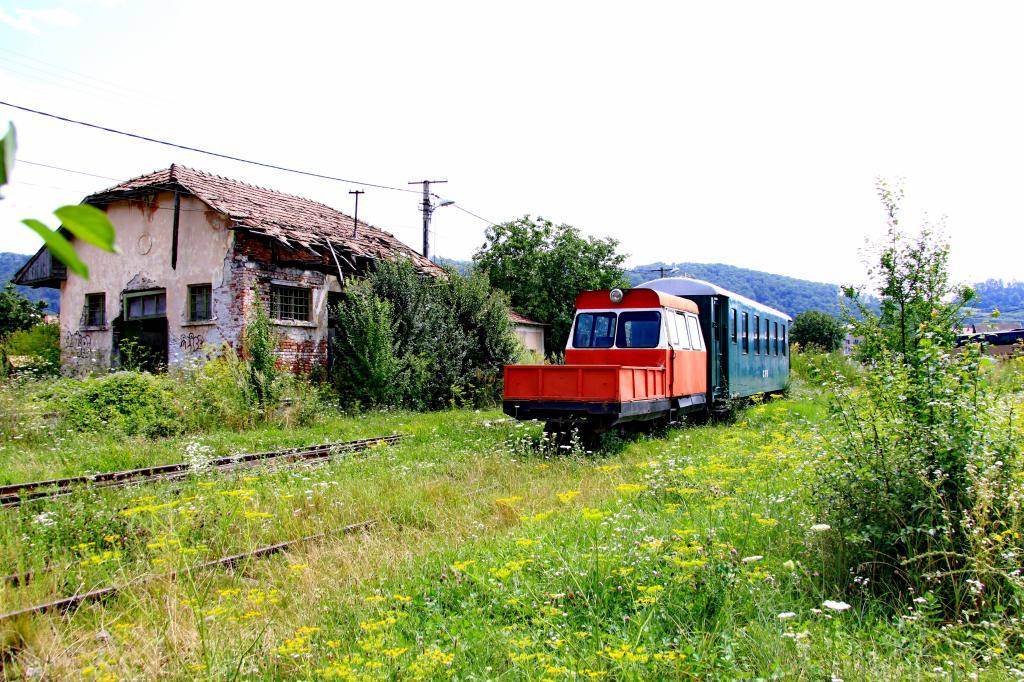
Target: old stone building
{"x":198,"y":251}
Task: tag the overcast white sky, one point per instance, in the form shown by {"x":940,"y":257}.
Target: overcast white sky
{"x":748,"y":133}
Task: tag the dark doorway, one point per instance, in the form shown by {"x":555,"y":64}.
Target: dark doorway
{"x":140,"y":332}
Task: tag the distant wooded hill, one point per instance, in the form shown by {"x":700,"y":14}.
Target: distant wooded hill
{"x":9,"y":264}
{"x":788,"y":294}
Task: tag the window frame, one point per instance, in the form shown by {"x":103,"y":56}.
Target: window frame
{"x":191,"y":302}
{"x":276,"y":309}
{"x":155,"y":294}
{"x":603,"y":313}
{"x":620,"y":328}
{"x":692,"y":319}
{"x":87,"y":309}
{"x":680,"y":323}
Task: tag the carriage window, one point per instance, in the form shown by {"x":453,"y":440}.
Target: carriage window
{"x":757,"y":334}
{"x":639,"y":329}
{"x":691,"y":323}
{"x":684,"y":337}
{"x":746,"y":332}
{"x":734,"y":332}
{"x":767,"y":336}
{"x":775,"y":336}
{"x":783,"y":339}
{"x":594,"y":330}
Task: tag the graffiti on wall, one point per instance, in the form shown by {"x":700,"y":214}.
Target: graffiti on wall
{"x":77,"y":342}
{"x":191,"y":342}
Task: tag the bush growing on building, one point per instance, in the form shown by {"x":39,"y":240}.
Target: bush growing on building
{"x":923,"y":479}
{"x":258,"y":346}
{"x":817,"y":329}
{"x":419,"y":342}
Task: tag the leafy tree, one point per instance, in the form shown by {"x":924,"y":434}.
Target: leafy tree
{"x":543,"y":266}
{"x":259,"y":344}
{"x":17,"y":312}
{"x":818,"y":329}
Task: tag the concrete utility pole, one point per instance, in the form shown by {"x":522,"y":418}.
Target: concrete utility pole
{"x":355,"y":218}
{"x":428,"y":209}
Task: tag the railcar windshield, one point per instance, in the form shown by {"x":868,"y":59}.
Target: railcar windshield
{"x":594,"y":330}
{"x":639,"y":329}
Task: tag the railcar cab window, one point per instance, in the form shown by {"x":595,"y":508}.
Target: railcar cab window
{"x":594,"y":330}
{"x":639,"y":329}
{"x":695,"y":337}
{"x":679,"y":324}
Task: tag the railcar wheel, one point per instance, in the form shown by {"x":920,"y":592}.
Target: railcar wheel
{"x":562,"y":435}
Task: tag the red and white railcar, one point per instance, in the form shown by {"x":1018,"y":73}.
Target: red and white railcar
{"x":633,"y":355}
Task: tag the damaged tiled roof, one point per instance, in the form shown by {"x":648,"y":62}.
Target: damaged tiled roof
{"x":519,"y":318}
{"x":292,"y":220}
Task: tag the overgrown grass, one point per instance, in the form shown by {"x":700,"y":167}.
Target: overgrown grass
{"x":677,"y":556}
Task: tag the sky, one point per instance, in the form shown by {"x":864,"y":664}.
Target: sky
{"x":747,"y":133}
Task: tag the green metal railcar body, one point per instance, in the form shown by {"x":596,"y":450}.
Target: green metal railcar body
{"x":747,"y":342}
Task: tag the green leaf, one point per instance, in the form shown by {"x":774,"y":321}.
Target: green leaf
{"x":59,"y":247}
{"x":7,"y":146}
{"x":89,"y":224}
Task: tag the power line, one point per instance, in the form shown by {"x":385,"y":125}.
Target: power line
{"x":203,"y":151}
{"x":67,"y":170}
{"x":466,"y":210}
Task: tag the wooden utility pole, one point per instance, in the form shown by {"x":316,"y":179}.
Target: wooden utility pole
{"x":355,"y":218}
{"x":428,"y":208}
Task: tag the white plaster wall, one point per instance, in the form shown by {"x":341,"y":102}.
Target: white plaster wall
{"x":144,"y":236}
{"x":531,"y":337}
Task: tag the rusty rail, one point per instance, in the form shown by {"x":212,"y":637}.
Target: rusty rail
{"x":18,"y":493}
{"x":229,"y":561}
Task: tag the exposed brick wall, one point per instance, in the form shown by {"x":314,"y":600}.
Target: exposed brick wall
{"x":301,"y":347}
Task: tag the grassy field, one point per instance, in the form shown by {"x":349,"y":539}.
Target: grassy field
{"x":690,"y":554}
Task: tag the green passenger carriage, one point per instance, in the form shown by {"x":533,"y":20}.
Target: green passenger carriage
{"x":747,"y":342}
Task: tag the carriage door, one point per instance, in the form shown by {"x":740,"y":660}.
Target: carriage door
{"x":715,"y":349}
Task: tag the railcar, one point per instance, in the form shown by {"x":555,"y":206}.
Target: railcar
{"x":669,"y":347}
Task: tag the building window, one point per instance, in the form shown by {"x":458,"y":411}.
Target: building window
{"x":746,"y":332}
{"x":290,"y":303}
{"x":149,"y":304}
{"x":94,"y":313}
{"x":200,"y":307}
{"x":757,"y":334}
{"x":734,"y":325}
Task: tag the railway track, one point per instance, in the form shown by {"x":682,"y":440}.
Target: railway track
{"x":224,"y":562}
{"x":19,"y":493}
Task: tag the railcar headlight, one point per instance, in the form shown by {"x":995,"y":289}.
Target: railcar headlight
{"x":615,"y":295}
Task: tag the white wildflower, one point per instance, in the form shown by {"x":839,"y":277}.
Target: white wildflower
{"x":835,"y":605}
{"x":751,"y":559}
{"x":821,"y":527}
{"x":786,"y":615}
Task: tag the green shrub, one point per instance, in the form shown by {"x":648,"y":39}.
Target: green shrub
{"x":923,"y":476}
{"x":424,"y":343}
{"x":368,"y":369}
{"x":130,"y":402}
{"x":259,"y":344}
{"x":817,"y":329}
{"x":39,"y":344}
